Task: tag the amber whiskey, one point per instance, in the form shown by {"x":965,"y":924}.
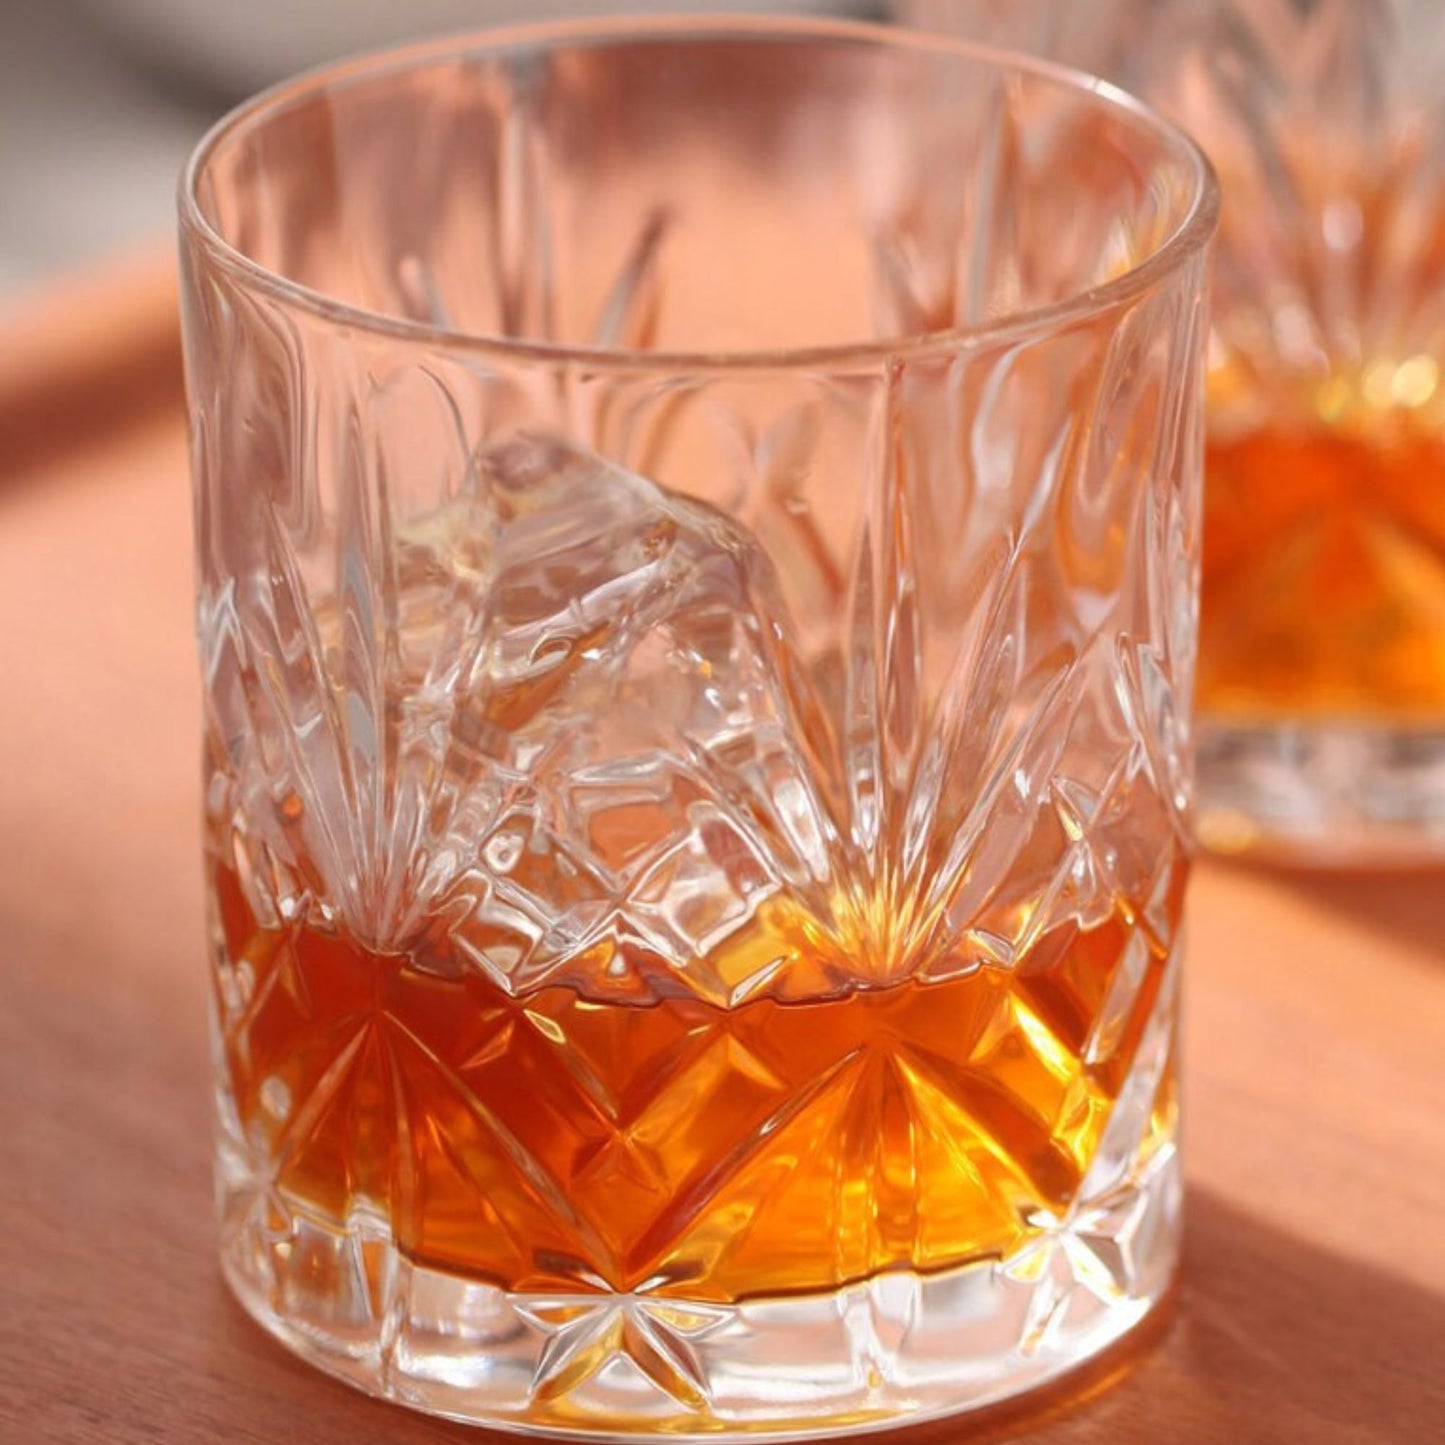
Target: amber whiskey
{"x":548,"y":1142}
{"x":1324,"y":569}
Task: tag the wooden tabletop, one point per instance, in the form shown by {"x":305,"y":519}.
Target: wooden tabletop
{"x":1313,"y":1300}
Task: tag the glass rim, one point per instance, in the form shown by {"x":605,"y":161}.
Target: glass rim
{"x":1187,"y":240}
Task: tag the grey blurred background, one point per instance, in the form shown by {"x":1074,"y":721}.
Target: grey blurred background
{"x":100,"y":100}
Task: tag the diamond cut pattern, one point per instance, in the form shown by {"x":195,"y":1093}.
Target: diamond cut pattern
{"x":651,"y":1144}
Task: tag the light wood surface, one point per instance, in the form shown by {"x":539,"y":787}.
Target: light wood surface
{"x":1313,"y":1301}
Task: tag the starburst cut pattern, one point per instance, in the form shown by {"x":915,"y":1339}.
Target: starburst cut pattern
{"x":1087,"y":1253}
{"x":656,"y":1337}
{"x":1054,"y":1266}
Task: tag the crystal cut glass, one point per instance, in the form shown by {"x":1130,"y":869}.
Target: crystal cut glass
{"x":697,"y":537}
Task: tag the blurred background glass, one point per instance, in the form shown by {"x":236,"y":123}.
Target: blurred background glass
{"x":1321,"y":696}
{"x":100,"y":100}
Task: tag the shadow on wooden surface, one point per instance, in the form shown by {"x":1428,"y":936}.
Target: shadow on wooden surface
{"x":1272,"y":1341}
{"x":1405,"y":904}
{"x":1280,"y":1341}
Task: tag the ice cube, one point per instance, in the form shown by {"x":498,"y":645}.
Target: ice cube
{"x":630,"y":767}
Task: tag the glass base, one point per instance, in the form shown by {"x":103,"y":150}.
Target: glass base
{"x":1328,"y":795}
{"x":600,"y":1366}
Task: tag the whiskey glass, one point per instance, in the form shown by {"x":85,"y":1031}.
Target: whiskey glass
{"x":1322,"y":657}
{"x":697,"y":537}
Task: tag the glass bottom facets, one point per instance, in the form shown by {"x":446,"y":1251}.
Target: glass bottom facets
{"x":897,"y":1347}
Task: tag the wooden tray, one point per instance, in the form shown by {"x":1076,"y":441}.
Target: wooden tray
{"x":1313,"y":1300}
